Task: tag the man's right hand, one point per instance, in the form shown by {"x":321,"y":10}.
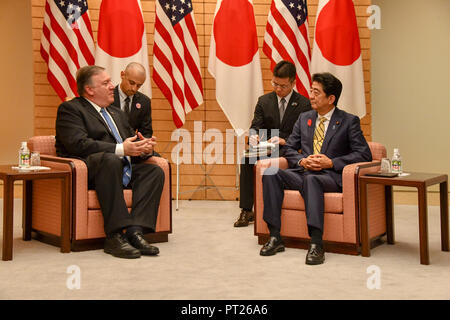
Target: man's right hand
{"x":134,"y":147}
{"x":253,"y":140}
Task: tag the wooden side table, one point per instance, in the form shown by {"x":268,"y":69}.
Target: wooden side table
{"x":420,"y":181}
{"x":9,"y":175}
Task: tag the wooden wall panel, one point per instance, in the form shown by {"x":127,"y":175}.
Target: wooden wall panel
{"x":223,"y":176}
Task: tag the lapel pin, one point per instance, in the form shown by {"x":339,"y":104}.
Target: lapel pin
{"x":294,"y":104}
{"x":138,"y":105}
{"x":309,"y":122}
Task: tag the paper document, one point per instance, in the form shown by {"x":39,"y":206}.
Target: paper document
{"x":264,"y":145}
{"x":31,"y":168}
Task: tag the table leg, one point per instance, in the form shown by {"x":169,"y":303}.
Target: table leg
{"x":365,"y":248}
{"x":26,"y":210}
{"x":389,"y":199}
{"x":443,"y":189}
{"x":8,"y":216}
{"x":65,"y":214}
{"x":423,"y":225}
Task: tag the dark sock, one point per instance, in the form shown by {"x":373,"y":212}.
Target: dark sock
{"x":316,"y":235}
{"x":133,"y":229}
{"x":274,"y":232}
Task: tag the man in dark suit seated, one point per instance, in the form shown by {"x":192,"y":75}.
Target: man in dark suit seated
{"x":275,"y":113}
{"x":88,"y":128}
{"x":329,"y":139}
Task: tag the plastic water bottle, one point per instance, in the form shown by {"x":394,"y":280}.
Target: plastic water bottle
{"x":24,"y":155}
{"x":397,"y":162}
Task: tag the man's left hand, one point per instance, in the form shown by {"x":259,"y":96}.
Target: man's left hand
{"x":277,"y":140}
{"x":320,"y":162}
{"x":149,"y":145}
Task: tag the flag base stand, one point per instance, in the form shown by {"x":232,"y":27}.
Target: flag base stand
{"x":201,"y":186}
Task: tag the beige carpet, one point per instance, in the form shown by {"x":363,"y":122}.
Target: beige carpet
{"x":207,"y":258}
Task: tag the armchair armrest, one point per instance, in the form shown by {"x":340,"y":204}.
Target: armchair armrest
{"x":79,"y":189}
{"x":350,"y":190}
{"x":164,"y":222}
{"x":260,"y":167}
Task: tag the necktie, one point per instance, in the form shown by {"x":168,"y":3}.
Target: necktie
{"x":127,"y":105}
{"x":319,"y":135}
{"x":126,"y":166}
{"x":282,"y":108}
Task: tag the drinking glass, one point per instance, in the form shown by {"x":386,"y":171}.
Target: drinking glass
{"x":35,"y":159}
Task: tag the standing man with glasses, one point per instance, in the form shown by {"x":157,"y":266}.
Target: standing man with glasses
{"x":275,"y":113}
{"x":90,"y":129}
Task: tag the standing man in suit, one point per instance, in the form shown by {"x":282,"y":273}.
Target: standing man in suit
{"x":329,"y":139}
{"x":275,"y":114}
{"x":135,"y":104}
{"x":88,"y":128}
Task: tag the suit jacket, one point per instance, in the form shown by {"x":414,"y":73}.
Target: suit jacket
{"x":81,"y":130}
{"x":140,"y":117}
{"x":267,"y":114}
{"x":344,"y":142}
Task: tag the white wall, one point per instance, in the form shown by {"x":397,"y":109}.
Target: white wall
{"x":411,"y":82}
{"x":16,"y":81}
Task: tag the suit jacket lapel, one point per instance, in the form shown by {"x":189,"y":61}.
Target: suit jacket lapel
{"x":90,"y":108}
{"x":118,"y":121}
{"x":275,"y":109}
{"x":97,"y":115}
{"x":333,"y":126}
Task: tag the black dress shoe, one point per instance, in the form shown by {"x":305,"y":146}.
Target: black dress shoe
{"x":315,"y":255}
{"x":244,"y":218}
{"x":137,"y":240}
{"x":118,"y":246}
{"x":272,"y":246}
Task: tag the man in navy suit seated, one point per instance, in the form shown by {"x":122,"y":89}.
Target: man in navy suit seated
{"x":329,"y":139}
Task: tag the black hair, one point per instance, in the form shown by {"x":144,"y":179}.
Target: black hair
{"x":285,"y":69}
{"x":330,"y":84}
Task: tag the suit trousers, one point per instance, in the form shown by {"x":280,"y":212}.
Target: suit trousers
{"x":246,"y":181}
{"x":246,"y":184}
{"x":310,"y":184}
{"x":105,"y":171}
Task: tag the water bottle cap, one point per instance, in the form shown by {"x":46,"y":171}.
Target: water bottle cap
{"x":24,"y":143}
{"x":396,"y":150}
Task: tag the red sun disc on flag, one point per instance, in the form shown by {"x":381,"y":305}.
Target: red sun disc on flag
{"x":337,"y":33}
{"x":120,"y":28}
{"x":235,"y":33}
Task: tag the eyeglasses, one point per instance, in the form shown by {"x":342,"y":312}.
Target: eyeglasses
{"x":282,"y":86}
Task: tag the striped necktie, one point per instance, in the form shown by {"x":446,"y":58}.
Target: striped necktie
{"x":282,"y":108}
{"x":319,"y":135}
{"x":127,"y":105}
{"x":126,"y":163}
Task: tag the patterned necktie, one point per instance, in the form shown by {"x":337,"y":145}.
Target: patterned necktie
{"x":127,"y":105}
{"x":282,"y":108}
{"x":319,"y":135}
{"x":126,"y":163}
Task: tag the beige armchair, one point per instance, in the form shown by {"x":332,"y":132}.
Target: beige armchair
{"x":86,"y":217}
{"x":341,"y":221}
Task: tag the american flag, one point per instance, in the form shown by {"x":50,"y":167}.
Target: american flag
{"x":176,"y":61}
{"x":66,"y":43}
{"x":286,"y":38}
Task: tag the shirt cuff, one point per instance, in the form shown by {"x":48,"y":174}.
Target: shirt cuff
{"x":119,"y":150}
